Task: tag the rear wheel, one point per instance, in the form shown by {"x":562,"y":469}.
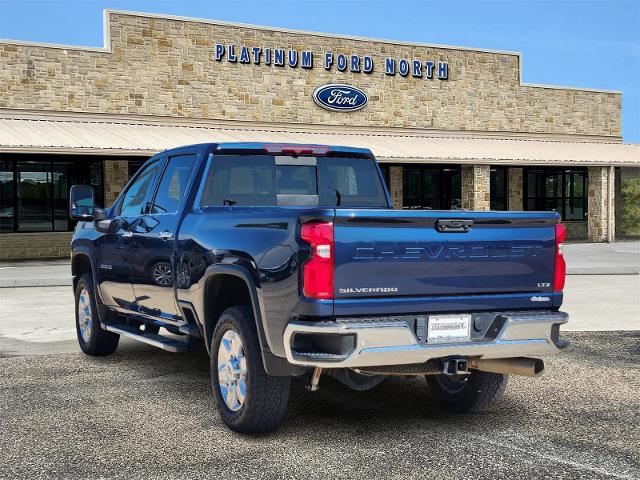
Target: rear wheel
{"x":467,"y":393}
{"x":248,"y":400}
{"x":93,"y":340}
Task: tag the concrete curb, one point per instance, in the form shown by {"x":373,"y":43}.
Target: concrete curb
{"x":604,"y":271}
{"x":32,"y":282}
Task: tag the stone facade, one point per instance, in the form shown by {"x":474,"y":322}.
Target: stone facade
{"x":20,"y":246}
{"x":396,"y":186}
{"x":475,"y":187}
{"x":515,"y":188}
{"x":161,"y":66}
{"x":601,"y":216}
{"x":116,"y":175}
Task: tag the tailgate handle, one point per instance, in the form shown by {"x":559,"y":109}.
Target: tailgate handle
{"x":454,"y":225}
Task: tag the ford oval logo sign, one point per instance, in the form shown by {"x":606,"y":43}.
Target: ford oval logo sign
{"x":340,"y":98}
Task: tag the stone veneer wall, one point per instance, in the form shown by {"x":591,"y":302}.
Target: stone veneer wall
{"x":18,"y":246}
{"x":167,"y":67}
{"x":598,"y":204}
{"x":515,"y":187}
{"x":475,"y":187}
{"x":116,"y":175}
{"x":396,"y":186}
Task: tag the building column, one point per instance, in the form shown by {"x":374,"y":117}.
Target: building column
{"x":116,"y":175}
{"x":395,"y":186}
{"x":475,"y":187}
{"x":601,"y":201}
{"x":515,"y":186}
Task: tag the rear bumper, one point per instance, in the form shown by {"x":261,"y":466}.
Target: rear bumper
{"x":392,"y":341}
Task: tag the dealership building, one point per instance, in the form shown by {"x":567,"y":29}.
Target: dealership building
{"x":451,"y":127}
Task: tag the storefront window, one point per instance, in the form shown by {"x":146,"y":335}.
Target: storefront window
{"x":34,"y":190}
{"x":431,"y":188}
{"x":498,"y":188}
{"x":7,"y":201}
{"x":562,"y":190}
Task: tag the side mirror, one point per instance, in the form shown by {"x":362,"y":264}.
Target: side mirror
{"x":81,"y":204}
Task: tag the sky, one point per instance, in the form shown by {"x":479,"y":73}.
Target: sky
{"x":577,"y":43}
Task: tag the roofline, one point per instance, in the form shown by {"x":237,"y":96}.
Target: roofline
{"x":106,"y":48}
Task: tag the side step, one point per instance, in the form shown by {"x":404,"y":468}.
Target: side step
{"x":168,"y":344}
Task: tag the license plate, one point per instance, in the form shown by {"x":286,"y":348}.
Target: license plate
{"x":448,"y":328}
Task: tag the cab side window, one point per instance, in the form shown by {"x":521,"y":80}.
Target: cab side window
{"x":133,"y":201}
{"x":173,"y":184}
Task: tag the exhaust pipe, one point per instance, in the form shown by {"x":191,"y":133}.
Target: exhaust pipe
{"x":529,"y":367}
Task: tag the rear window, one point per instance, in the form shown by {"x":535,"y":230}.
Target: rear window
{"x":260,"y":180}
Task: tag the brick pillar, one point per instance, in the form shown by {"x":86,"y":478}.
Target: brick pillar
{"x":515,"y":188}
{"x":475,"y":187}
{"x":116,"y":175}
{"x":395,"y":186}
{"x":601,"y":203}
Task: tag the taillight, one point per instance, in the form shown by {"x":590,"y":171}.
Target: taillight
{"x":317,"y":273}
{"x":561,"y":266}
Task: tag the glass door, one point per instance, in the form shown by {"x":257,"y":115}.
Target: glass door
{"x":34,"y":197}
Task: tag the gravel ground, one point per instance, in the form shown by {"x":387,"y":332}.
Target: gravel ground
{"x":145,"y":413}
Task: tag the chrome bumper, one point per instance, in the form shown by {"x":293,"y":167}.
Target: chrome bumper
{"x":380,"y":343}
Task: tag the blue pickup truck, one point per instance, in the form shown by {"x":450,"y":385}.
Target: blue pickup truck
{"x":289,"y":260}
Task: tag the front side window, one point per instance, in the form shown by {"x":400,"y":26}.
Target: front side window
{"x":173,"y":184}
{"x":133,"y":201}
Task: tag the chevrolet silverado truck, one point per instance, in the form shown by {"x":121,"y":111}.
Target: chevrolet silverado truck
{"x":289,"y":260}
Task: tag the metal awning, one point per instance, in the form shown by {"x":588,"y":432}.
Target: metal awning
{"x":119,"y":136}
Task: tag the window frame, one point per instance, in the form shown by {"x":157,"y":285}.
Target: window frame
{"x":166,"y":159}
{"x":505,"y":191}
{"x":158,"y":160}
{"x":51,"y":161}
{"x":444,"y":185}
{"x":560,"y":201}
{"x":285,"y":160}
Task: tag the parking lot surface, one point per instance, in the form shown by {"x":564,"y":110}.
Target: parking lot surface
{"x":144,"y":413}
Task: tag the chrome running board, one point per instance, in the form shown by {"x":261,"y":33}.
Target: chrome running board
{"x":155,"y":340}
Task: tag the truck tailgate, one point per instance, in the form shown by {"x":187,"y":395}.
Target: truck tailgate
{"x":398,"y":253}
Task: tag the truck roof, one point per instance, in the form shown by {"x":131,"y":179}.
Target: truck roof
{"x":287,"y":148}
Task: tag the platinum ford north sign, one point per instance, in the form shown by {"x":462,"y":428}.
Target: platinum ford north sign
{"x":340,"y":98}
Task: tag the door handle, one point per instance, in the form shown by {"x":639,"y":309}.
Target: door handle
{"x":166,"y":235}
{"x":454,"y":225}
{"x":126,"y":234}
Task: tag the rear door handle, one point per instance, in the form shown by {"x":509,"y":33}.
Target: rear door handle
{"x":454,"y":225}
{"x":166,"y":235}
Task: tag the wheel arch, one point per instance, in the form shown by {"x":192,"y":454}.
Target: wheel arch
{"x":229,"y":285}
{"x":83,"y":261}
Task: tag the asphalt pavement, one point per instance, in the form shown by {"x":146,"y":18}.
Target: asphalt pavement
{"x":144,"y":413}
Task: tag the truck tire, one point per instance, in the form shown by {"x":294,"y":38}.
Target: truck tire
{"x":248,"y":400}
{"x":93,"y":340}
{"x":467,"y":393}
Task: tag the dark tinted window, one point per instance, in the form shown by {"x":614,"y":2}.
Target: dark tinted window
{"x":133,"y":200}
{"x":498,"y":188}
{"x":349,"y":182}
{"x":563,"y":190}
{"x":296,"y":180}
{"x":257,"y":181}
{"x":7,"y":203}
{"x":240,"y":180}
{"x":173,"y":184}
